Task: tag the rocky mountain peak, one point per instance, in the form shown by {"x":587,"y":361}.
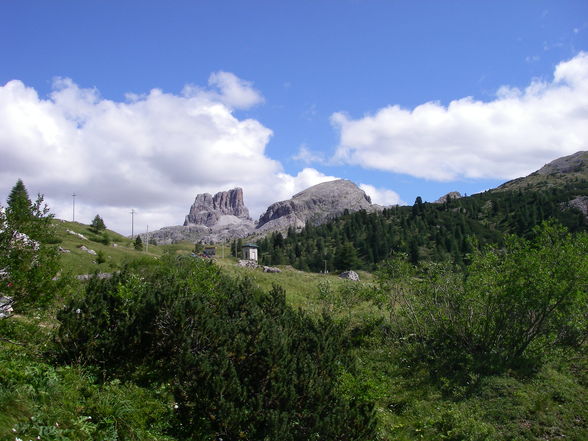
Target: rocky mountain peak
{"x":575,"y":163}
{"x":207,"y":209}
{"x":316,"y":204}
{"x":449,"y":196}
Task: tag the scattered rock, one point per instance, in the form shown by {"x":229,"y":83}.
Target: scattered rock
{"x":81,"y":236}
{"x":271,"y":269}
{"x":88,"y":250}
{"x":350,"y":275}
{"x":247,"y":264}
{"x":64,"y":250}
{"x":5,"y":306}
{"x":98,"y":275}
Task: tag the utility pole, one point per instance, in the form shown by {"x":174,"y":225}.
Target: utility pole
{"x":132,"y":223}
{"x":147,"y":244}
{"x":73,"y":210}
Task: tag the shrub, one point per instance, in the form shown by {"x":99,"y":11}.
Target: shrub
{"x":511,"y":308}
{"x":240,"y":362}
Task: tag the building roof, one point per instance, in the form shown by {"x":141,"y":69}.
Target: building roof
{"x":250,"y":245}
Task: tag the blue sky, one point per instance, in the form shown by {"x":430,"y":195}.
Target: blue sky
{"x":407,"y":98}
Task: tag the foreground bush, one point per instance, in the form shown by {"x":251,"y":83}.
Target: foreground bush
{"x":240,"y":363}
{"x":511,"y":309}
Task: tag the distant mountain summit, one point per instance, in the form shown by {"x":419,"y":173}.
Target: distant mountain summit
{"x":576,"y":164}
{"x":224,"y":216}
{"x":316,"y":205}
{"x":224,"y":207}
{"x":558,"y":172}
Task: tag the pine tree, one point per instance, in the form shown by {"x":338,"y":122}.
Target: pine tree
{"x":19,"y":209}
{"x":28,"y":260}
{"x":138,"y":243}
{"x":97,"y":224}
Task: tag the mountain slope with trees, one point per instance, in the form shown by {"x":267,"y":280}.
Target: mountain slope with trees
{"x":426,"y":231}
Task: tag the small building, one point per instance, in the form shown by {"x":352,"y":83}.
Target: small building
{"x":250,"y":251}
{"x":210,"y":251}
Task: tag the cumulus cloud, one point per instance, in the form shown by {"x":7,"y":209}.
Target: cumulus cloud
{"x":382,"y":196}
{"x":510,"y":136}
{"x":151,"y":152}
{"x":308,"y":156}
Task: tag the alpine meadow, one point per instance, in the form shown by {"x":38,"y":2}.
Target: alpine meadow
{"x":332,"y":220}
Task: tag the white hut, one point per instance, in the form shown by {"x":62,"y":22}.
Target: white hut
{"x":250,"y":251}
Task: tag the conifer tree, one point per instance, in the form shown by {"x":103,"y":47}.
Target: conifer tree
{"x":138,"y":243}
{"x":28,"y":260}
{"x":97,"y":224}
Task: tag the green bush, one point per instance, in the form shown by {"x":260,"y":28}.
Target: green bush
{"x":512,"y":308}
{"x":241,"y":364}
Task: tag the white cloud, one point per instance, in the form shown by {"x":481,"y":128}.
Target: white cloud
{"x":235,"y":92}
{"x":152,"y":152}
{"x":382,"y":196}
{"x":308,"y":156}
{"x":508,"y":137}
{"x":307,"y":177}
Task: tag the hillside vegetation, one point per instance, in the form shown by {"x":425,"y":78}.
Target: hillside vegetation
{"x":425,"y":231}
{"x":481,"y":342}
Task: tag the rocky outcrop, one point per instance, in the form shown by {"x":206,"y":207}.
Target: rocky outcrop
{"x":449,"y":196}
{"x":224,"y":217}
{"x":560,"y":171}
{"x":575,"y":163}
{"x":580,"y":203}
{"x":201,"y":233}
{"x":315,"y":205}
{"x":209,"y":210}
{"x":211,"y":219}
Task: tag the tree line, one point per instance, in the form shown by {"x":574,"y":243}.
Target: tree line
{"x":424,"y":231}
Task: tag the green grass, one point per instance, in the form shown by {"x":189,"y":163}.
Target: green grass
{"x":78,"y":261}
{"x":549,"y":405}
{"x":301,"y":287}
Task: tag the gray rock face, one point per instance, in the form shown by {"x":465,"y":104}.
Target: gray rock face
{"x":316,"y":205}
{"x":575,"y":163}
{"x":211,"y":219}
{"x":207,"y":209}
{"x":448,"y":196}
{"x":580,"y":203}
{"x":224,"y":217}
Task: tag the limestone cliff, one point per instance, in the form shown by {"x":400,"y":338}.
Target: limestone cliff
{"x":208,"y":210}
{"x":315,"y":205}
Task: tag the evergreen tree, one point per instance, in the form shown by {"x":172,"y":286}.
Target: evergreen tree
{"x":97,"y":224}
{"x":19,"y":209}
{"x":346,"y":257}
{"x":138,"y":243}
{"x":28,"y":260}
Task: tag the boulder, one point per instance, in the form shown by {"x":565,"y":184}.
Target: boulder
{"x":88,"y":250}
{"x":271,"y":269}
{"x":350,"y":275}
{"x":247,"y":263}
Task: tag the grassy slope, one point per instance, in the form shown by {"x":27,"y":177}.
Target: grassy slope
{"x":301,"y":287}
{"x":549,"y":405}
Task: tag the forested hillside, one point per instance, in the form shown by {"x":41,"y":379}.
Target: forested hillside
{"x":175,"y":347}
{"x":425,"y":231}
